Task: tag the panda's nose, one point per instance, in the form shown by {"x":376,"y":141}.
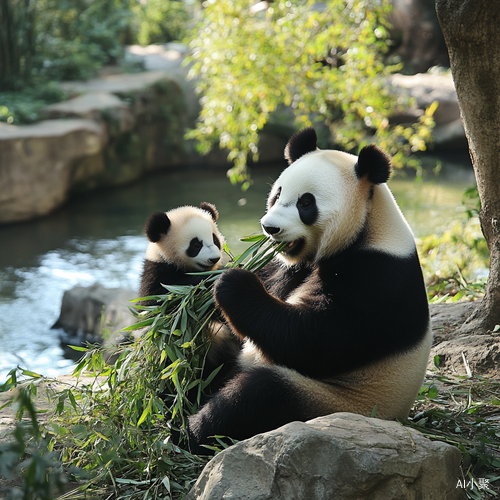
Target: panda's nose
{"x":271,"y":230}
{"x":215,"y":260}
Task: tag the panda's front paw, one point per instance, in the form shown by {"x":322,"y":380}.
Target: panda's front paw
{"x":235,"y":286}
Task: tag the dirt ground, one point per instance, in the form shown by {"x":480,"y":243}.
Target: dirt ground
{"x":462,"y":354}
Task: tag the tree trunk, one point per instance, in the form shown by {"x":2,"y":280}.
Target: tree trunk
{"x":17,"y":42}
{"x":471,"y":29}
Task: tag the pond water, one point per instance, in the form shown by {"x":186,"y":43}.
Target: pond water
{"x":98,"y":238}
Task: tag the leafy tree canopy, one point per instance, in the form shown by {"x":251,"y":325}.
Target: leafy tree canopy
{"x":325,"y":63}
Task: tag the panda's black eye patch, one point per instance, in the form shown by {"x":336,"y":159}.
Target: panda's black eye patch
{"x":308,"y":210}
{"x":216,"y":241}
{"x":275,"y":198}
{"x":195,"y":245}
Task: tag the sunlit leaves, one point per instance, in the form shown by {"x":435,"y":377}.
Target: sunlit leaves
{"x":324,"y":62}
{"x":455,"y":262}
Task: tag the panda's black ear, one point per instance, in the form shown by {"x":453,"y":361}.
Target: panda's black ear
{"x":156,"y":226}
{"x":373,"y":163}
{"x":301,"y":143}
{"x":208,"y":207}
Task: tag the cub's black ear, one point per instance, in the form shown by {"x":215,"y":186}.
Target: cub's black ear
{"x":210,"y":209}
{"x":374,"y":164}
{"x":301,"y":143}
{"x":157,"y":225}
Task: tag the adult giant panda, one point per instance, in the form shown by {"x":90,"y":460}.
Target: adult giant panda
{"x":183,"y":240}
{"x":337,"y":322}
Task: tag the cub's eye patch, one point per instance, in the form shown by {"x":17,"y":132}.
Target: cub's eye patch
{"x":195,"y":245}
{"x":216,"y":241}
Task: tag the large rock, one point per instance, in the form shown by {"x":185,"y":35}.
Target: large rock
{"x":448,"y":317}
{"x":87,"y":311}
{"x":462,"y":354}
{"x":95,"y":106}
{"x":468,"y":355}
{"x":421,"y":41}
{"x":37,"y":163}
{"x":341,"y":456}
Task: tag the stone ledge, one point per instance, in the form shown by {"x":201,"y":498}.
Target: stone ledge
{"x":117,"y":84}
{"x":47,"y":128}
{"x":105,"y":142}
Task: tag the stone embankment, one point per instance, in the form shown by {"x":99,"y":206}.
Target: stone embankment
{"x":111,"y":132}
{"x":118,"y":127}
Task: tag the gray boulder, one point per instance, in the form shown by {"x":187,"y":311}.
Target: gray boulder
{"x":416,"y":25}
{"x":87,"y":311}
{"x":341,"y":456}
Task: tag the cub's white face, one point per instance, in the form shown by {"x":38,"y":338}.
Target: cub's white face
{"x":193,"y":241}
{"x":318,"y":205}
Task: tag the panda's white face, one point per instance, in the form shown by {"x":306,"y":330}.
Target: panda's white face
{"x":200,"y":244}
{"x":192,"y":242}
{"x":318,"y":205}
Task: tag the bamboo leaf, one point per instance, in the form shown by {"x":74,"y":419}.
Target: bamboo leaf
{"x":209,"y":379}
{"x":253,"y":237}
{"x":102,"y":436}
{"x":145,"y":414}
{"x":141,"y":324}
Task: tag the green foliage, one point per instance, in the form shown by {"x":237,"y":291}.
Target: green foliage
{"x":325,"y":64}
{"x":454,"y":261}
{"x":116,"y":428}
{"x":28,"y":454}
{"x":72,"y":39}
{"x":464,"y":412}
{"x":471,"y":202}
{"x":57,"y":40}
{"x":159,"y":21}
{"x":77,"y":37}
{"x":27,"y":107}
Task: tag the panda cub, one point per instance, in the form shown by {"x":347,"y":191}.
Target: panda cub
{"x":183,"y":240}
{"x":339,"y":322}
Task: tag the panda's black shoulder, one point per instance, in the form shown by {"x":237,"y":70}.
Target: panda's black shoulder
{"x":376,"y":281}
{"x":156,"y":274}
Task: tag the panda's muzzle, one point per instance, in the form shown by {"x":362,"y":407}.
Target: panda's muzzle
{"x":210,"y":263}
{"x":295,"y":247}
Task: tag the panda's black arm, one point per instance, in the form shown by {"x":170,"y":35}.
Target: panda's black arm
{"x":287,"y":334}
{"x":357,"y":321}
